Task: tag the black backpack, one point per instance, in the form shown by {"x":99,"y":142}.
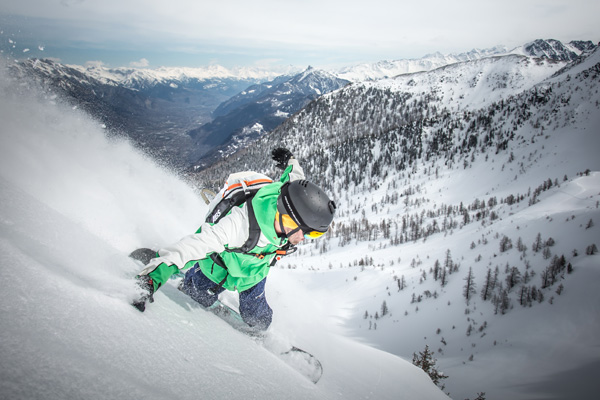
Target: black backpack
{"x":239,"y":188}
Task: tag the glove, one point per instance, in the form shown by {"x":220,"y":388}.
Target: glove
{"x":146,"y":286}
{"x":281,"y":156}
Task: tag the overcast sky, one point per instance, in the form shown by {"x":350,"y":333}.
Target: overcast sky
{"x":280,"y":32}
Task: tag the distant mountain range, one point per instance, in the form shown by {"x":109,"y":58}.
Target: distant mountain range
{"x":154,"y":108}
{"x":552,"y":49}
{"x":194,"y":116}
{"x":261,"y":108}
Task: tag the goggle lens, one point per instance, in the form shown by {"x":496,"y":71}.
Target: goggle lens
{"x":313,"y":234}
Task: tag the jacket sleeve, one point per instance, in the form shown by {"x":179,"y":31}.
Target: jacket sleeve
{"x":293,"y":172}
{"x":232,"y":230}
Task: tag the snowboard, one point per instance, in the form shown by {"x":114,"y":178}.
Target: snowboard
{"x":302,"y":361}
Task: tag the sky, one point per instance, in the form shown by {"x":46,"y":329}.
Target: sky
{"x":265,"y":33}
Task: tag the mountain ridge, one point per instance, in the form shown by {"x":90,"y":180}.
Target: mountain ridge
{"x":172,"y":112}
{"x":259,"y":109}
{"x":388,"y":69}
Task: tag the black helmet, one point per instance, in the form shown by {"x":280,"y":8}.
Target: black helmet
{"x":307,"y":204}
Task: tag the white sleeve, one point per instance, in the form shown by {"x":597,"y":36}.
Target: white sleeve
{"x":297,"y":172}
{"x":232,"y":230}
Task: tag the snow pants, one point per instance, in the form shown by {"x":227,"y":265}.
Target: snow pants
{"x":254,"y":309}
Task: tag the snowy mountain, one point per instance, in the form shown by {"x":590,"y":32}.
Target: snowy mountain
{"x":155,"y":108}
{"x":145,"y":77}
{"x":468,"y":205}
{"x":250,"y":114}
{"x":552,"y":49}
{"x":555,"y":50}
{"x":389,"y":69}
{"x":259,"y":109}
{"x":68,"y":219}
{"x":223,"y":109}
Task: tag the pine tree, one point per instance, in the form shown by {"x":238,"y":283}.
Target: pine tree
{"x":537,"y":244}
{"x":448,"y":263}
{"x":469,"y":288}
{"x":589,"y":224}
{"x":444,"y":277}
{"x":504,"y":301}
{"x":523,"y":295}
{"x":520,"y":245}
{"x":384,"y":309}
{"x":401,"y":283}
{"x":505,"y":244}
{"x":426,"y":362}
{"x":513,"y":278}
{"x":487,"y":290}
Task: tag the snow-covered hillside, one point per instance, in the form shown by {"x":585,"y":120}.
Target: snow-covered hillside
{"x":73,"y":204}
{"x":476,"y":84}
{"x":469,"y":201}
{"x":541,"y":323}
{"x":550,"y":49}
{"x":388,"y":69}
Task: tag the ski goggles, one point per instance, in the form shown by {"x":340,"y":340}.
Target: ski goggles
{"x":289,"y":222}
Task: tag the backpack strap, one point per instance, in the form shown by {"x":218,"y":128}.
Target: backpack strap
{"x":251,"y":243}
{"x":254,"y":231}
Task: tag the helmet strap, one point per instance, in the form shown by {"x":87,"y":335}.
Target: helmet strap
{"x":292,"y":232}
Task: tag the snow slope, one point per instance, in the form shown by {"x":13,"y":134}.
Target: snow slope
{"x":475,"y":84}
{"x":545,"y":350}
{"x":73,"y":204}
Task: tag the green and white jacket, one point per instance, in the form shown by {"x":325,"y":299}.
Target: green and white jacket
{"x":243,"y":270}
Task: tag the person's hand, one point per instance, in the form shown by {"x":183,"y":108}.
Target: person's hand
{"x":281,"y":156}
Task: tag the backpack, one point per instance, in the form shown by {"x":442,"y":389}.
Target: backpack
{"x":239,"y":188}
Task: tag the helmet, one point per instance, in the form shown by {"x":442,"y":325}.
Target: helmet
{"x":307,"y":204}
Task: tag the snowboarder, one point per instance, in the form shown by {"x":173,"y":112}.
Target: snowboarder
{"x":286,"y":213}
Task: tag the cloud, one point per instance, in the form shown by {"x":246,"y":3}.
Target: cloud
{"x":94,"y":64}
{"x":294,"y":30}
{"x":142,"y":63}
{"x":68,"y":3}
{"x":267,"y":62}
